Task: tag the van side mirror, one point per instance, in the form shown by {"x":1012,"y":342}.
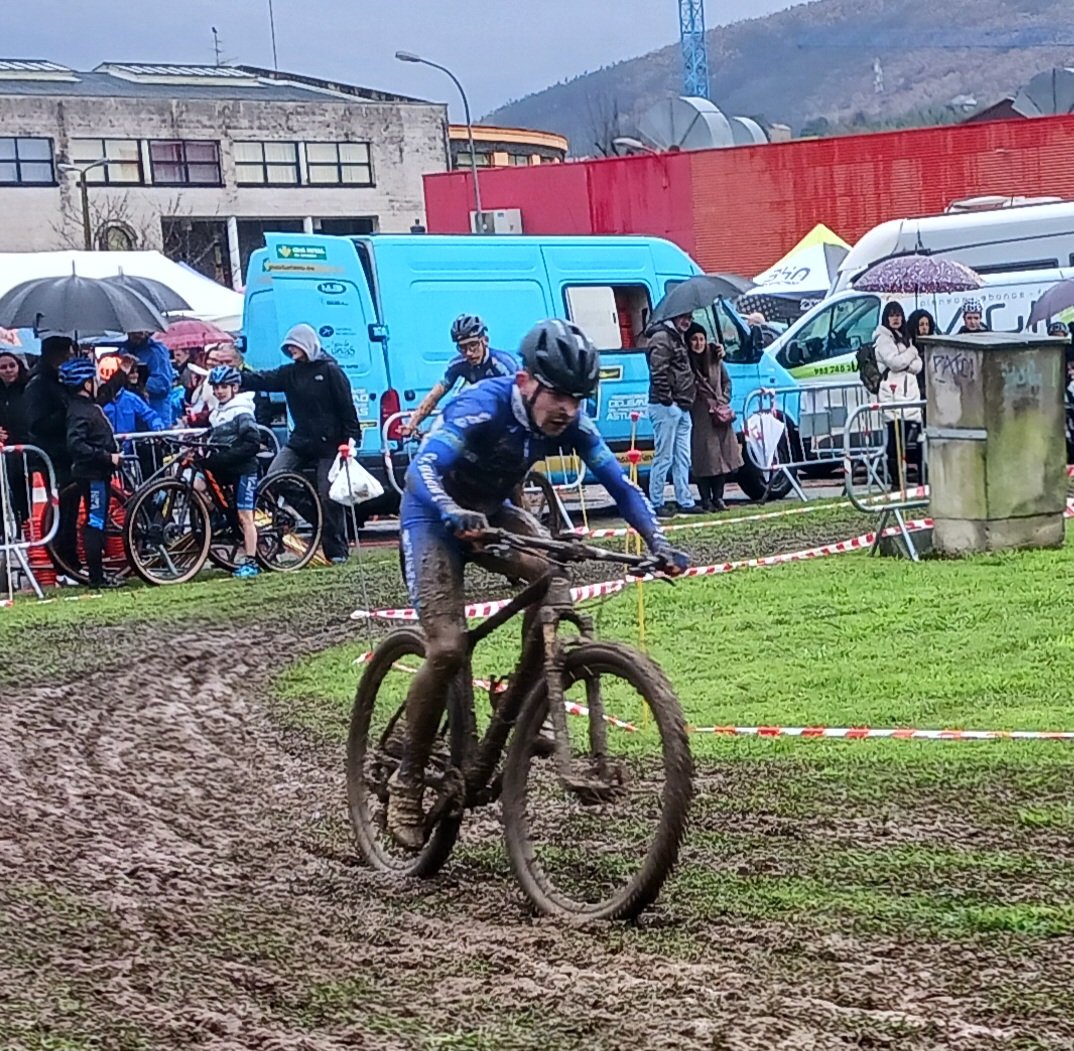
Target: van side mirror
{"x":378,"y":333}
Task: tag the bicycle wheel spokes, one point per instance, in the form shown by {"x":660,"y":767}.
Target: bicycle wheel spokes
{"x":599,"y":843}
{"x":374,"y":748}
{"x":288,"y":520}
{"x":167,"y":533}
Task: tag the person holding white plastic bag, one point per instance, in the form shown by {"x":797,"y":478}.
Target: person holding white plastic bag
{"x":899,"y":363}
{"x":321,"y":404}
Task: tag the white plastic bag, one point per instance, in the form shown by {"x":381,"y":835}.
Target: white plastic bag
{"x":350,"y":482}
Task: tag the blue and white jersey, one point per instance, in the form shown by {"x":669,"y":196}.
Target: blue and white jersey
{"x":497,"y":363}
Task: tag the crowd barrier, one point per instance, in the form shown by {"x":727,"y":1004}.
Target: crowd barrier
{"x":792,"y":429}
{"x":27,"y":491}
{"x":869,"y":485}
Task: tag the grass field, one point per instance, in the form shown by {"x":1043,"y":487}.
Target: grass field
{"x":850,"y":641}
{"x":180,"y":871}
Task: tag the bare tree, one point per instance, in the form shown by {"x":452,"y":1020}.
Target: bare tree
{"x":605,"y":123}
{"x":114,"y":223}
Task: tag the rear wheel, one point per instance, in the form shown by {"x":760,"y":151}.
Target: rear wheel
{"x":287,"y":514}
{"x":374,"y":747}
{"x":115,"y":561}
{"x":600,"y":845}
{"x":167,"y":532}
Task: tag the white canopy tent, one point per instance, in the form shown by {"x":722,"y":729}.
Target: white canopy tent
{"x":209,"y":301}
{"x":804,"y":274}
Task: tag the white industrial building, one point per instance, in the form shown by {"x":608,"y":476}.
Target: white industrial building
{"x":198,"y":161}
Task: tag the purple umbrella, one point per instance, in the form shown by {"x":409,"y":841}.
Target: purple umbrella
{"x":914,"y":274}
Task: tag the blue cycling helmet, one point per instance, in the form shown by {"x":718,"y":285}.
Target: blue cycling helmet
{"x":76,"y":372}
{"x":466,"y":327}
{"x":559,"y":355}
{"x":225,"y":375}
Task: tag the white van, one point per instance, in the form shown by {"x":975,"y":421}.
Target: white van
{"x":821,"y":346}
{"x":996,"y":241}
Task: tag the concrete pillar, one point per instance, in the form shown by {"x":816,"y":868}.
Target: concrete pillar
{"x":307,"y":224}
{"x":996,"y":441}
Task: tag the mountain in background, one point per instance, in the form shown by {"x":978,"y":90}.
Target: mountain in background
{"x":825,"y":66}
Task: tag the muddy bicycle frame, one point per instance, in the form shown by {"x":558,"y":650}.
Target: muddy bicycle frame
{"x":549,"y":599}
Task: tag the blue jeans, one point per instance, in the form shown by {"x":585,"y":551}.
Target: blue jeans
{"x":671,"y":434}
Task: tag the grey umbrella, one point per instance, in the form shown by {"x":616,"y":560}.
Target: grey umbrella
{"x":158,"y":293}
{"x":78,"y":304}
{"x":1058,"y":298}
{"x":697,"y":293}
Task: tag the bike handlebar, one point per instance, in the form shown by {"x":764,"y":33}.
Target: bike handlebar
{"x":564,"y":551}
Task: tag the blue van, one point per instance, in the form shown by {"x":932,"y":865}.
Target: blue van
{"x":384,"y":304}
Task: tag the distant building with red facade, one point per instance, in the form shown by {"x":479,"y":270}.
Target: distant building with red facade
{"x":740,"y":209}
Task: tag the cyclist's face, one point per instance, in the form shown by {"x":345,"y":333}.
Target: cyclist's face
{"x":473,"y":350}
{"x":224,"y":392}
{"x":553,"y":411}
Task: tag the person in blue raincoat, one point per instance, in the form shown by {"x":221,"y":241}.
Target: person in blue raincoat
{"x":157,"y":359}
{"x":127,"y":412}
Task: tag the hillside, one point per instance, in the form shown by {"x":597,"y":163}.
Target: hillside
{"x":816,"y":60}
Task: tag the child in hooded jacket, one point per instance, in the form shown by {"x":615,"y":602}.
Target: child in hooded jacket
{"x":233,"y":461}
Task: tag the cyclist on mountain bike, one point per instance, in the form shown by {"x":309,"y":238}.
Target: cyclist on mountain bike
{"x":475,"y":361}
{"x":458,"y":485}
{"x":234,"y":428}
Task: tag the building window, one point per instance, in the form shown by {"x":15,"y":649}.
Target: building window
{"x":26,"y":162}
{"x":339,"y":164}
{"x":484,"y":160}
{"x":266,"y":163}
{"x":123,"y":156}
{"x":116,"y":237}
{"x":185,"y":162}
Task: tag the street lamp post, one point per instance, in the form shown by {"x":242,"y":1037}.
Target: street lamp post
{"x":83,"y":186}
{"x":408,"y":56}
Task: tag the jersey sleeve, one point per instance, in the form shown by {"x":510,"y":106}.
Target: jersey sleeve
{"x":470,"y":411}
{"x":455,"y":370}
{"x":630,"y":500}
{"x":503,"y":364}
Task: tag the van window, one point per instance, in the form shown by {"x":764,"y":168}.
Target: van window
{"x":837,"y":330}
{"x":612,"y":316}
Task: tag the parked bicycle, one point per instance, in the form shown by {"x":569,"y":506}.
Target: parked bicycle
{"x":172,"y":529}
{"x":593,"y":830}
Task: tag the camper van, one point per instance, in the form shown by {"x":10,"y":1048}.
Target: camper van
{"x":997,"y":241}
{"x":384,"y":304}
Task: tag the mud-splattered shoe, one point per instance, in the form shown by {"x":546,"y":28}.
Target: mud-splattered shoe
{"x":406,"y":819}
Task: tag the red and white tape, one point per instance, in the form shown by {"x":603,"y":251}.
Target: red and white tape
{"x":480,"y":610}
{"x":863,"y":733}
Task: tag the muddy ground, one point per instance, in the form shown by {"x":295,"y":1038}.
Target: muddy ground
{"x":175,"y":872}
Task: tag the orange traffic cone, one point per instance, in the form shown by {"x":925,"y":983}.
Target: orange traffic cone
{"x":40,"y":562}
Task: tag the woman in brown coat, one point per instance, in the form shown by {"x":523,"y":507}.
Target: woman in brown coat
{"x":714,"y":451}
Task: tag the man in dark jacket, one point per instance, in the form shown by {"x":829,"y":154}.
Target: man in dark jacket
{"x":321,"y":405}
{"x":46,"y":418}
{"x":672,"y":390}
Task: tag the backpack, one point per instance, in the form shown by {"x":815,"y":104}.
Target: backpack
{"x":868,"y":369}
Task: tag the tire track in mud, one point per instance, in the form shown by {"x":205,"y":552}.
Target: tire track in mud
{"x":177,"y":873}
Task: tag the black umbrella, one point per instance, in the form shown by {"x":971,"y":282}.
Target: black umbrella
{"x":78,"y":304}
{"x":1058,"y":298}
{"x":697,"y":293}
{"x":159,"y":294}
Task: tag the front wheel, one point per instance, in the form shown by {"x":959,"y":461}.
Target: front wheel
{"x":599,"y":844}
{"x":374,"y":748}
{"x":288,"y":518}
{"x":167,"y":532}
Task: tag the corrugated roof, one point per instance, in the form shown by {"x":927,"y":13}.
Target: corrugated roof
{"x":166,"y":81}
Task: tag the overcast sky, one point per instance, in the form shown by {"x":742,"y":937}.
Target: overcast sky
{"x":498,"y":50}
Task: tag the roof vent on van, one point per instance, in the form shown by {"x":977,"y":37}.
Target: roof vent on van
{"x":990,"y":202}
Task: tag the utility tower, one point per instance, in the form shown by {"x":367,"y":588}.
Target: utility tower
{"x":695,"y":52}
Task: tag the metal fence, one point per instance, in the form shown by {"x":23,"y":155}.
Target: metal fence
{"x":890,"y":440}
{"x":149,"y":454}
{"x":27,"y":491}
{"x":791,"y":429}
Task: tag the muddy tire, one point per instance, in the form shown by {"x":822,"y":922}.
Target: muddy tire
{"x":370,"y":762}
{"x":167,"y":532}
{"x":616,"y":878}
